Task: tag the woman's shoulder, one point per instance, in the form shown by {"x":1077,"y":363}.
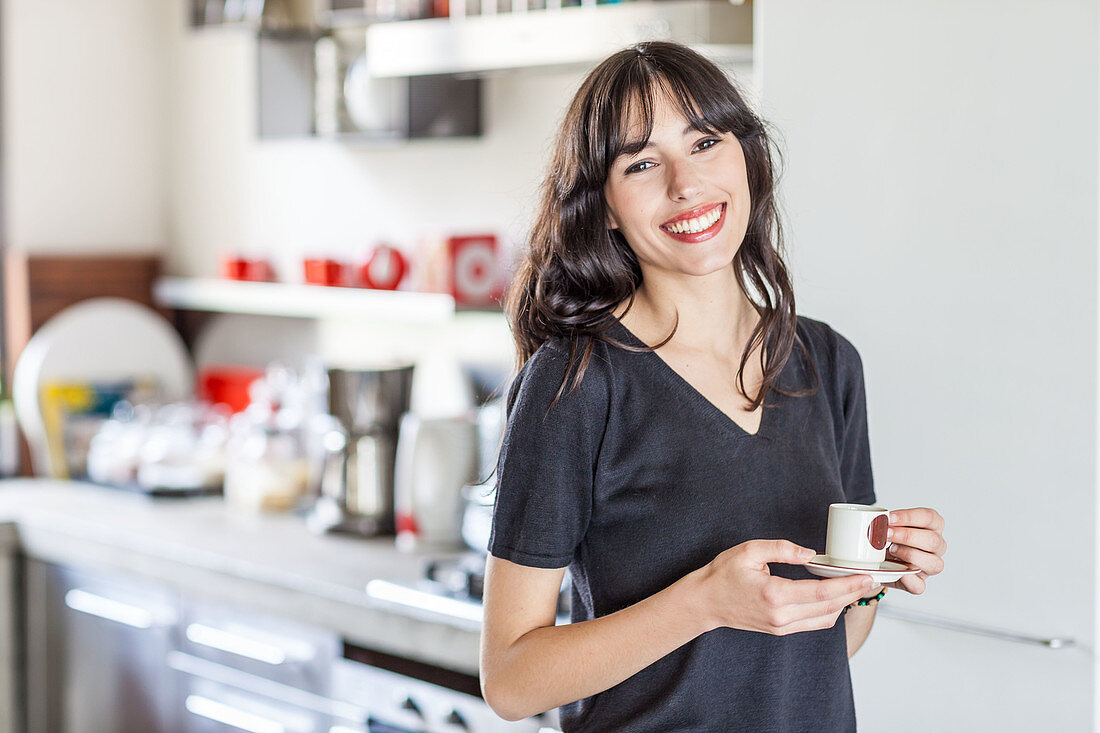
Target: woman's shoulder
{"x":560,"y":358}
{"x":558,"y":351}
{"x":827,"y":346}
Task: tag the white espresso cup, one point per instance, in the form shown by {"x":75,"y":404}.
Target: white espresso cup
{"x":856,"y":535}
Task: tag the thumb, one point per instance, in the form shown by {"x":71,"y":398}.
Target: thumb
{"x":783,"y":551}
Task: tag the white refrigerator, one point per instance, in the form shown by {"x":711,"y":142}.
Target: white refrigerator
{"x":940,"y":183}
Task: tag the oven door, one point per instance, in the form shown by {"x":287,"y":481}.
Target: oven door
{"x":403,"y":696}
{"x":208,"y":707}
{"x":214,"y":698}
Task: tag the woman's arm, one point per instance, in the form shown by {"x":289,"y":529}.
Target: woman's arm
{"x":857,"y":626}
{"x":529,"y":665}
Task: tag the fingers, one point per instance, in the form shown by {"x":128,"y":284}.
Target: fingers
{"x":922,"y":539}
{"x":914,"y":584}
{"x":919,"y":517}
{"x":784,"y":592}
{"x":824,"y":614}
{"x":820,"y":615}
{"x":762,"y":552}
{"x":823,"y":608}
{"x":927,"y":563}
{"x":817,"y":614}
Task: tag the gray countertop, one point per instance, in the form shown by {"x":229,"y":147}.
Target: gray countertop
{"x":267,"y":562}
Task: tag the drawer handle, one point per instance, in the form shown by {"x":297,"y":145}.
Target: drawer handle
{"x":219,"y":712}
{"x":108,"y":608}
{"x":1056,"y":642}
{"x":243,"y":646}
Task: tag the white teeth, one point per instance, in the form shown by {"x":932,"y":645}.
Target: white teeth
{"x":694,"y":226}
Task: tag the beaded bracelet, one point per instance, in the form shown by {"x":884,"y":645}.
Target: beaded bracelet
{"x":868,"y":601}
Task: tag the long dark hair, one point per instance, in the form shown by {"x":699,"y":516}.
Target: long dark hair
{"x":575,"y":270}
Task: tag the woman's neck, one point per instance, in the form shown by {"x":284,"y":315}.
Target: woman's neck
{"x":715,"y":317}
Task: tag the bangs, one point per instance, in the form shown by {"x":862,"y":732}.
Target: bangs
{"x":628,"y":125}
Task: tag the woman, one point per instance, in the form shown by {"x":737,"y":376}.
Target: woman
{"x":660,"y":475}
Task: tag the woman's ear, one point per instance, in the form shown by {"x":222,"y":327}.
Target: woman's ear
{"x":610,"y":222}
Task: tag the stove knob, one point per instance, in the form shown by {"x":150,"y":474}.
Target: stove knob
{"x":409,"y":704}
{"x":455,"y":719}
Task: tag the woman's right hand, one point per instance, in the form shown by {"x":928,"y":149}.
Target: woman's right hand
{"x":738,"y":591}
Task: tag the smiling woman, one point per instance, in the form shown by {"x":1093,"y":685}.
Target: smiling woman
{"x":654,"y":117}
{"x":684,"y":506}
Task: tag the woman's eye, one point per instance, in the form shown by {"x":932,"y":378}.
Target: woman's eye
{"x":638,"y":166}
{"x":710,"y":142}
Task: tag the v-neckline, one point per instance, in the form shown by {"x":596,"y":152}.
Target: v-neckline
{"x":693,"y":393}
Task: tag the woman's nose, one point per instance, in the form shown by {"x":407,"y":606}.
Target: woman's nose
{"x":683,"y":180}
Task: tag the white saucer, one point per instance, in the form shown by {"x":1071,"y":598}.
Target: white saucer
{"x":886,"y":572}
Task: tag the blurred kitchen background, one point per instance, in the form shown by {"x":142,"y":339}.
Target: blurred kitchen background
{"x":252,"y":260}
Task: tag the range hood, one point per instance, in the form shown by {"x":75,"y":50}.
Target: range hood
{"x":558,"y":37}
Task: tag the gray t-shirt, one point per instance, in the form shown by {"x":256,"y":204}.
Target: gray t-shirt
{"x":635,"y":480}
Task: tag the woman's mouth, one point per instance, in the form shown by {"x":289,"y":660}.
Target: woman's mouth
{"x":698,"y":229}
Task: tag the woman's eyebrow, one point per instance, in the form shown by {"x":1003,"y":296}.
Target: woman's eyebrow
{"x":637,"y":146}
{"x":634,"y":147}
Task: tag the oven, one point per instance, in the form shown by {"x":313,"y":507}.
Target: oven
{"x":242,"y":671}
{"x":368,"y":692}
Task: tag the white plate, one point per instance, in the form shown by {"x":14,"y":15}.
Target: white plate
{"x":887,"y":572}
{"x":98,"y":339}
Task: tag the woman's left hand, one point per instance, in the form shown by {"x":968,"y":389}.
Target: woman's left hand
{"x":917,"y":537}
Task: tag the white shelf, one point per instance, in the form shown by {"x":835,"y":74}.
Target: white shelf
{"x":561,"y":37}
{"x":302,"y":301}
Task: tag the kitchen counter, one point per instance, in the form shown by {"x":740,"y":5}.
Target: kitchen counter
{"x":269,"y":563}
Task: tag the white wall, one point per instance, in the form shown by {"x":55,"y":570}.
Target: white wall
{"x":942,"y":193}
{"x":286,"y":198}
{"x":84,"y":112}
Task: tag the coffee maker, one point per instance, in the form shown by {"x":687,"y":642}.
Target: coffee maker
{"x":357,"y":487}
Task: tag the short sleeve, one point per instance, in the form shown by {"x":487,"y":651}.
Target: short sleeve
{"x":547,"y":462}
{"x":855,"y":450}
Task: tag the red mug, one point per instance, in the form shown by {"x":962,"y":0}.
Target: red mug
{"x":384,"y":269}
{"x":234,"y":268}
{"x":243,"y":268}
{"x":320,"y":271}
{"x":259,"y":271}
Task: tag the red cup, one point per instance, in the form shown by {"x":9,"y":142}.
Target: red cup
{"x":259,"y":271}
{"x":234,"y":268}
{"x":242,"y":268}
{"x":324,"y":271}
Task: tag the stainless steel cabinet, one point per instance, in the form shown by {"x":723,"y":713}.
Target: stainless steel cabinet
{"x":239,"y":670}
{"x":210,"y":706}
{"x":282,"y":651}
{"x":111,"y":653}
{"x":97,"y":646}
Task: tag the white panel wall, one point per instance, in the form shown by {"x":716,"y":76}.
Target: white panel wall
{"x":288,"y":198}
{"x":211,"y":125}
{"x":84,"y":112}
{"x":942,"y":191}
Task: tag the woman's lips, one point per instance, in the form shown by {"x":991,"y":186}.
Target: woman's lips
{"x":702,"y":236}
